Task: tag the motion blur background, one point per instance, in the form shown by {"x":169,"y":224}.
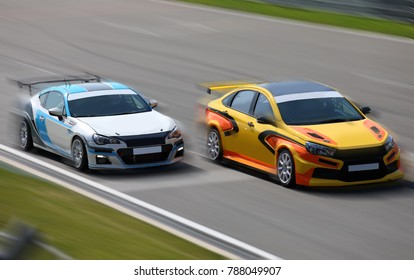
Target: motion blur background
{"x":402,"y":10}
{"x":165,"y":48}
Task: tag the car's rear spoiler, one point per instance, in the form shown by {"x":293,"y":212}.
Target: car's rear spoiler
{"x":224,"y":87}
{"x":56,"y":79}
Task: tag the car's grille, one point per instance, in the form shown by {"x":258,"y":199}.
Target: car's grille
{"x":346,"y":176}
{"x":144,"y":140}
{"x":129,"y":158}
{"x":364,"y":153}
{"x":356,"y":157}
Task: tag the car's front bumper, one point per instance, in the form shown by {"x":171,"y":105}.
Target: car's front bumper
{"x":101,"y":158}
{"x":312,"y":170}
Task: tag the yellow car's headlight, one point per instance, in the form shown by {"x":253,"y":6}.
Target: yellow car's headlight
{"x":389,"y":144}
{"x":320,"y":150}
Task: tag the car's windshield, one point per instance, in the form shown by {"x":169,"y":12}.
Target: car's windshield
{"x":318,"y":111}
{"x":108,"y":105}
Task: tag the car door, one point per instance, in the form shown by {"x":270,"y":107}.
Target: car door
{"x":40,"y":119}
{"x":264,"y":123}
{"x":240,"y":144}
{"x":54,"y":131}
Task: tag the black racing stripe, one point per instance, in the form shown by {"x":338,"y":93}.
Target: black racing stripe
{"x":292,"y":87}
{"x":262,"y":136}
{"x":96,"y":86}
{"x":230,"y":119}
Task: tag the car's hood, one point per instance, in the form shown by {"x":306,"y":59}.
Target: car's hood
{"x":343,"y":135}
{"x":132,"y":124}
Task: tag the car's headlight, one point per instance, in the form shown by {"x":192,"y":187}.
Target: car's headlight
{"x":389,"y":144}
{"x":320,"y":150}
{"x":103,"y":140}
{"x":175,"y":133}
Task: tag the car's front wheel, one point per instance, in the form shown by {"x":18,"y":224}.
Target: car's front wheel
{"x":79,"y":156}
{"x":286,"y":168}
{"x":25,"y":136}
{"x":213,"y":145}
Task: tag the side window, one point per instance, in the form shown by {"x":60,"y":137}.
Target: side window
{"x":43,"y":98}
{"x":228,"y":99}
{"x":243,"y":101}
{"x":54,"y":99}
{"x":263,"y":108}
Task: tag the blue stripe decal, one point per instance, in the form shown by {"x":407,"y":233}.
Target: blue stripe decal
{"x":118,"y":86}
{"x":41,"y":127}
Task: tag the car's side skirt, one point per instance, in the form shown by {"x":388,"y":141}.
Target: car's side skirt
{"x":250,"y":162}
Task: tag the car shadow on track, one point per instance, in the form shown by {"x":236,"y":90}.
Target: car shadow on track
{"x":176,"y":169}
{"x":400,"y":187}
{"x":51,"y":156}
{"x":180,"y":168}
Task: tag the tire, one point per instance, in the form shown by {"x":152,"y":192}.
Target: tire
{"x":213,"y":145}
{"x":79,"y":155}
{"x":286,"y":168}
{"x":25,"y":136}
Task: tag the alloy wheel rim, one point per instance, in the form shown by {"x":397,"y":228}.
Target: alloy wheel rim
{"x":213,"y":145}
{"x":23,"y":134}
{"x":285,"y":167}
{"x":77,"y":152}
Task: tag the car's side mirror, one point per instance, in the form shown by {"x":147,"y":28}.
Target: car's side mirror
{"x":265,"y":120}
{"x":153,"y":103}
{"x":57,"y":112}
{"x":365,"y":110}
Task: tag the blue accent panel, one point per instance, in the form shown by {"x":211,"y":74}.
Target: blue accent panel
{"x":41,"y":127}
{"x":75,"y":89}
{"x":67,"y":106}
{"x":118,"y":86}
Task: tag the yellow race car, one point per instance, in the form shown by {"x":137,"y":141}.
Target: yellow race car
{"x":304,"y":132}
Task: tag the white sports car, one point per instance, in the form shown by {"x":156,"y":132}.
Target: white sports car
{"x":98,"y":125}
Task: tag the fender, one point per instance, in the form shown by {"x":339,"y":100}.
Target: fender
{"x":227,"y":123}
{"x":266,"y":139}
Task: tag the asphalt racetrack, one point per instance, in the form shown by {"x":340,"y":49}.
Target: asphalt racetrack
{"x":164,"y":49}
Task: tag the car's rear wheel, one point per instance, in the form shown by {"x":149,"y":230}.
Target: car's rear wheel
{"x":79,"y":156}
{"x":213,"y":145}
{"x":286,"y":168}
{"x":25,"y":136}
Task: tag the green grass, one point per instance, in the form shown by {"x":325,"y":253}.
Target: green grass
{"x":83,"y":228}
{"x":321,"y":17}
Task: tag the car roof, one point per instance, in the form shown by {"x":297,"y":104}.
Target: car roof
{"x":85,"y":87}
{"x":292,"y":87}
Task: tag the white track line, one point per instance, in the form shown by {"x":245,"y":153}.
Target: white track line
{"x":28,"y":65}
{"x":387,"y":82}
{"x":190,"y":24}
{"x":143,"y":204}
{"x":289,"y":22}
{"x":135,"y":29}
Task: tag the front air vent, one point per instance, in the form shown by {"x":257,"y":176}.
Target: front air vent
{"x":390,"y":156}
{"x":375,"y":129}
{"x":332,"y":163}
{"x":314,"y":135}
